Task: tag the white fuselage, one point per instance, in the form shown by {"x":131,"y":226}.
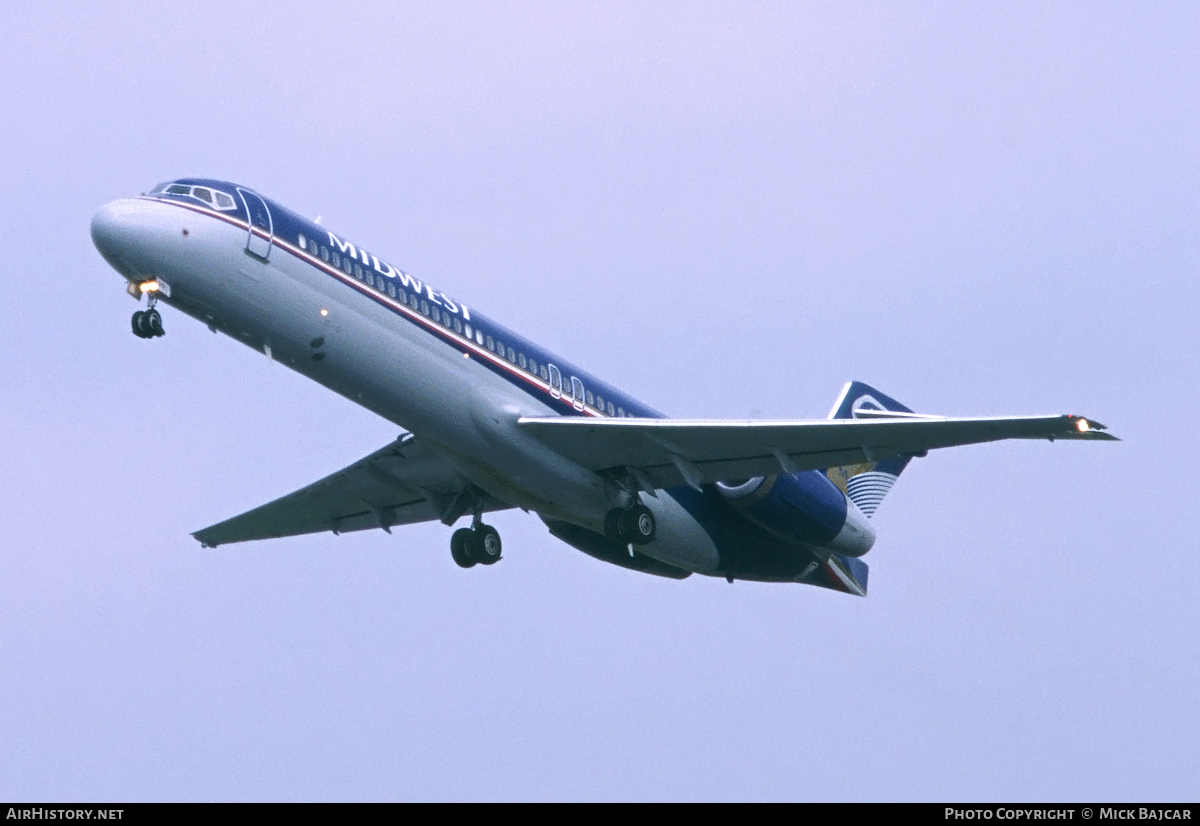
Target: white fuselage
{"x":458,"y":381}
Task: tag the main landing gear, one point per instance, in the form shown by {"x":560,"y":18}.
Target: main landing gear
{"x":633,"y":524}
{"x":148,"y":323}
{"x":476,"y":545}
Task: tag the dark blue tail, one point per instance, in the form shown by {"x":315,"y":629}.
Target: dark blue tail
{"x":866,"y":484}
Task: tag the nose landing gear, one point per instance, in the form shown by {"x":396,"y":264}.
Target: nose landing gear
{"x":148,"y":323}
{"x":477,"y":545}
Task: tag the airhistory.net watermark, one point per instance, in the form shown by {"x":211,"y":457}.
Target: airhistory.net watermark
{"x":45,"y":813}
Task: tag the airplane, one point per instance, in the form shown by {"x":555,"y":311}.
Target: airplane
{"x":491,"y":421}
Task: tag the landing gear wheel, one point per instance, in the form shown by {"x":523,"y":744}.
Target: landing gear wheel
{"x":147,"y":323}
{"x":637,"y":525}
{"x":460,"y":544}
{"x":487,"y":545}
{"x":154,"y":322}
{"x":479,"y":545}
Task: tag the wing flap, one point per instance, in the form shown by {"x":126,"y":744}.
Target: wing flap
{"x":686,"y":451}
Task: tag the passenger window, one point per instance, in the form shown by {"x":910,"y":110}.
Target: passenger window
{"x":621,"y":412}
{"x":491,"y":345}
{"x":424,"y":307}
{"x":591,"y":399}
{"x":303,"y":243}
{"x":611,"y":411}
{"x":437,"y":316}
{"x":479,"y":337}
{"x":412,"y":300}
{"x":512,"y":355}
{"x":467,"y":330}
{"x":358,"y":273}
{"x":521,"y":361}
{"x":346,"y":265}
{"x":458,"y":327}
{"x":543,"y":374}
{"x":337,"y":261}
{"x":324,"y":253}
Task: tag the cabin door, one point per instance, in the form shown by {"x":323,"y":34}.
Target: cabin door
{"x":258,"y":242}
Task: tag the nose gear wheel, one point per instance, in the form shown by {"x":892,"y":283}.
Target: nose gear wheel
{"x":147,"y":324}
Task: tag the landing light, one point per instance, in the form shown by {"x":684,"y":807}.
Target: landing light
{"x":324,"y":312}
{"x":148,"y":286}
{"x":1082,"y":425}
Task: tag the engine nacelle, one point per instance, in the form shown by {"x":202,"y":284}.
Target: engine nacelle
{"x":805,"y":508}
{"x":611,"y":550}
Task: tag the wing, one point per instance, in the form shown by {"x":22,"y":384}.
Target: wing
{"x":402,"y":483}
{"x":663,"y":453}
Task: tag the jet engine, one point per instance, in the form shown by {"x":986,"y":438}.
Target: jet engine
{"x":804,"y":508}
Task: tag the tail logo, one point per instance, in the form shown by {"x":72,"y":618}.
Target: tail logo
{"x":866,"y":490}
{"x":866,"y":402}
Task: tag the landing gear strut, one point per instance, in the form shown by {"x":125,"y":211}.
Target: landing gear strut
{"x":477,"y":545}
{"x":635,"y":524}
{"x":148,"y":323}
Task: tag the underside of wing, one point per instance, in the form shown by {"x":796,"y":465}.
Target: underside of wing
{"x":670,"y":452}
{"x":400,"y":484}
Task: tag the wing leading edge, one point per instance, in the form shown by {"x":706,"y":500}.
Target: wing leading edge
{"x":399,"y":484}
{"x":670,"y":452}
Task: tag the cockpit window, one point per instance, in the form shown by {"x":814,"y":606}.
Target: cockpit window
{"x":212,"y":197}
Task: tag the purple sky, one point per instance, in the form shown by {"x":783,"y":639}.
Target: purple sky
{"x":727,"y":211}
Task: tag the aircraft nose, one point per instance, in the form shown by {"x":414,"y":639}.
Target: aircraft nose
{"x":114,"y":230}
{"x":133,"y":236}
{"x":112,"y":224}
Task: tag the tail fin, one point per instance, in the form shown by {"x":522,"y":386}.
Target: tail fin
{"x":865,"y":485}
